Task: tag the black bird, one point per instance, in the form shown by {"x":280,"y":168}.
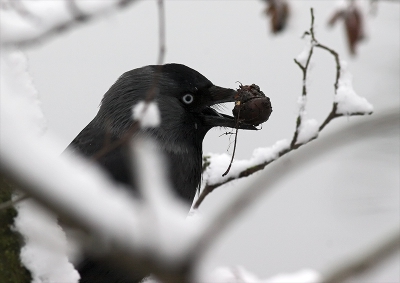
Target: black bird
{"x":184,"y":98}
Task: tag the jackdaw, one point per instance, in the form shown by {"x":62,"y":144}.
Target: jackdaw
{"x":185,"y":99}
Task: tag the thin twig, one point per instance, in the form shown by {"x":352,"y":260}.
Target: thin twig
{"x":233,"y":154}
{"x":161,"y":32}
{"x":235,"y":141}
{"x":304,"y":69}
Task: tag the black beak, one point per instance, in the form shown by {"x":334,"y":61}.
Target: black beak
{"x":212,"y":118}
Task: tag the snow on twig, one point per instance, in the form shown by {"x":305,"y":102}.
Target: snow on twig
{"x":348,"y":102}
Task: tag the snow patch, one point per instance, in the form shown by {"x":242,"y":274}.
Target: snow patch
{"x":147,"y":113}
{"x":308,"y":130}
{"x":219,"y":162}
{"x":348,"y":101}
{"x":45,"y":249}
{"x":18,"y":92}
{"x":303,"y":56}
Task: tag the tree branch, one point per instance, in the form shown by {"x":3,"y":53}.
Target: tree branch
{"x":277,"y":172}
{"x":294,"y":144}
{"x":364,"y":261}
{"x":36,"y":31}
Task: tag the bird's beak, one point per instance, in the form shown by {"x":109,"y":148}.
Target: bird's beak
{"x":212,"y":118}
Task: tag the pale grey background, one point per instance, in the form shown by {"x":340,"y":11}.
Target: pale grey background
{"x":325,"y":211}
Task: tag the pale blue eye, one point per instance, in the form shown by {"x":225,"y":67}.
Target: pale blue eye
{"x":187,"y":98}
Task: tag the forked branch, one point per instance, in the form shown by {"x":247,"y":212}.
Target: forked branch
{"x":295,"y":142}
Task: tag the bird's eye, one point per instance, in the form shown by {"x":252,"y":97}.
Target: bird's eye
{"x":187,"y":98}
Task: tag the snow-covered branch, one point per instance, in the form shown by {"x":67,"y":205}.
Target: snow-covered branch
{"x":25,"y":23}
{"x":280,"y":169}
{"x":346,"y":103}
{"x":81,"y":195}
{"x":365,"y":260}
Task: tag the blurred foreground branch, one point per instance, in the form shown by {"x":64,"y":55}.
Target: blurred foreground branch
{"x":26,"y":23}
{"x":364,"y":261}
{"x":376,"y":126}
{"x":125,"y":231}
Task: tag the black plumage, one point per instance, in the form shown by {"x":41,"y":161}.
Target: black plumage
{"x":184,"y":97}
{"x":183,"y":125}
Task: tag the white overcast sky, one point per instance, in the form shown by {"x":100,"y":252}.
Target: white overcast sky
{"x":322,"y":213}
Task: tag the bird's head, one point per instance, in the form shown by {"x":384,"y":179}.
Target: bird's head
{"x":184,"y":96}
